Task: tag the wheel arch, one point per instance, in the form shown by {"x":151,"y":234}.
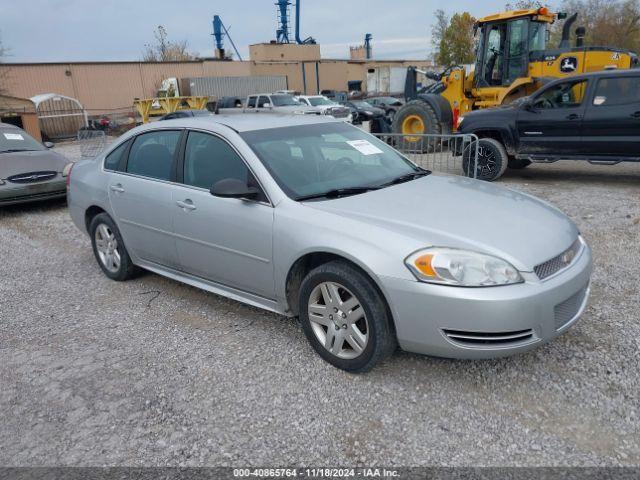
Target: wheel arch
{"x":498,"y":134}
{"x":314,"y":258}
{"x":441,"y":107}
{"x":90,"y":213}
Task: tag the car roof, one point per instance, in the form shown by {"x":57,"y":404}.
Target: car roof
{"x":246,"y":122}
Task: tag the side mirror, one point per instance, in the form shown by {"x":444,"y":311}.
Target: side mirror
{"x":49,"y":144}
{"x":266,"y":105}
{"x":234,"y":188}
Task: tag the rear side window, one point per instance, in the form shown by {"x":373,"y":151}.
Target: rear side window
{"x":114,"y":159}
{"x":617,"y":91}
{"x":252,"y":102}
{"x":209,"y":159}
{"x":152,"y":154}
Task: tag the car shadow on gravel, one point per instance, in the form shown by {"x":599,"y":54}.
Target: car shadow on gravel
{"x":621,"y":174}
{"x":44,"y":206}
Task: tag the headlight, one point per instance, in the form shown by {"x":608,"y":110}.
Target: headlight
{"x":449,"y":266}
{"x":67,"y":168}
{"x":368,"y":112}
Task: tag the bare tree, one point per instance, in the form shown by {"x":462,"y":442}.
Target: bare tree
{"x":524,"y":5}
{"x":165,"y":50}
{"x":4,"y":70}
{"x":609,"y":23}
{"x":438,"y":30}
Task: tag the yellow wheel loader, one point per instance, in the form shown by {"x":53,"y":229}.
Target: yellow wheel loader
{"x":512,"y":61}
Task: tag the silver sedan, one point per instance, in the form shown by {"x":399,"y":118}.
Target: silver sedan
{"x":29,"y":171}
{"x":311,"y":217}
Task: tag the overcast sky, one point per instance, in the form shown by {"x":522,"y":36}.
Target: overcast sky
{"x":81,"y":30}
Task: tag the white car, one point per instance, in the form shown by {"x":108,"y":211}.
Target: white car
{"x":326,"y":106}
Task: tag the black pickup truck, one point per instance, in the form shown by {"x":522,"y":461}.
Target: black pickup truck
{"x":593,"y":117}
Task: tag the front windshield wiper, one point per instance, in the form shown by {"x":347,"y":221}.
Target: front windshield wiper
{"x":337,"y":192}
{"x":407,"y":177}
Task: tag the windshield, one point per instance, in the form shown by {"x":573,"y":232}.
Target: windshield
{"x":362,"y":104}
{"x":284,"y":101}
{"x":315,"y":101}
{"x":309,"y":160}
{"x":16,"y":140}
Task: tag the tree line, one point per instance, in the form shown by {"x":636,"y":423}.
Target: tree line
{"x":609,"y":23}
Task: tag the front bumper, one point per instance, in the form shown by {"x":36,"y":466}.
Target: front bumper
{"x":460,"y":322}
{"x":12,"y":193}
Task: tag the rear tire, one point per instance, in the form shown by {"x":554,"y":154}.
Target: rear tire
{"x":109,"y":249}
{"x":518,"y":163}
{"x":492,"y":159}
{"x":345,"y":317}
{"x":416,"y":117}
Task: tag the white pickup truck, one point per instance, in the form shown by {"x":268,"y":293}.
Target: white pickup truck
{"x":326,"y":106}
{"x":277,"y":103}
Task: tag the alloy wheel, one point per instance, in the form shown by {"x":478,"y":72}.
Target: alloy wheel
{"x":487,"y":165}
{"x":107,"y":248}
{"x":338,"y":320}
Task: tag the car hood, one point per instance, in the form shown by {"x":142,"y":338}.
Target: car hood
{"x":296,"y":109}
{"x":14,"y":163}
{"x":458,"y":212}
{"x":375,"y":110}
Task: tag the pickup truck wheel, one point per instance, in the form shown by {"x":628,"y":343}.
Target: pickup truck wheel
{"x":492,"y":160}
{"x":518,"y":163}
{"x":345,"y":317}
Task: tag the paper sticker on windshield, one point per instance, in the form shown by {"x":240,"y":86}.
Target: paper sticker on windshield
{"x":364,"y":147}
{"x":13,"y":136}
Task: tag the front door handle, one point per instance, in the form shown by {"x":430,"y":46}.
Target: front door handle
{"x":186,"y":205}
{"x":635,"y":115}
{"x":574,"y":116}
{"x":117,"y":188}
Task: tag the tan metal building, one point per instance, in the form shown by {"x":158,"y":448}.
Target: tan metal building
{"x":20,"y":112}
{"x":106,"y":86}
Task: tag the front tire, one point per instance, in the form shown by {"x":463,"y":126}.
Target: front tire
{"x":492,"y":160}
{"x":109,"y":249}
{"x":414,"y":119}
{"x":345,"y":317}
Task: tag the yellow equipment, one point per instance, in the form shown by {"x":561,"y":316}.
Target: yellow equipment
{"x":512,"y":61}
{"x":148,"y":107}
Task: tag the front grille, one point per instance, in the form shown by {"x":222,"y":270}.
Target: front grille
{"x":566,"y":311}
{"x":562,"y":261}
{"x":489,"y":339}
{"x":32,"y":177}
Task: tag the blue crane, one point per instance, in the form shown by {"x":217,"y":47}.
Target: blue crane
{"x":282,"y":33}
{"x":219,"y":32}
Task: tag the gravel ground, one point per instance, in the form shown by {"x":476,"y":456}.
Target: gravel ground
{"x":153,"y":372}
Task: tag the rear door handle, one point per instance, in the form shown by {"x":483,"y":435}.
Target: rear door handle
{"x":574,"y":116}
{"x":117,"y":188}
{"x":186,"y":205}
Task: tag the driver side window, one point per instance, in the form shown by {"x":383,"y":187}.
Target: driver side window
{"x":209,"y":159}
{"x":562,"y":95}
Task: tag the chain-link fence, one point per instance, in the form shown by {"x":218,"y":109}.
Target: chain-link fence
{"x":91,"y":142}
{"x":452,"y":154}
